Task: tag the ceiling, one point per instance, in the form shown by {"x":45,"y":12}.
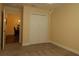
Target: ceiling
{"x":46,"y":5}
{"x":39,"y":5}
{"x":18,"y":5}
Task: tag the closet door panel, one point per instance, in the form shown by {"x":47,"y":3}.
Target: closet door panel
{"x":38,"y":29}
{"x":34,"y":29}
{"x":43,"y":28}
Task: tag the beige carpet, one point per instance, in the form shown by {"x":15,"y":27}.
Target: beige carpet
{"x":45,"y":49}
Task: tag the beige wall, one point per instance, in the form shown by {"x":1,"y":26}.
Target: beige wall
{"x":65,"y":26}
{"x":26,"y":17}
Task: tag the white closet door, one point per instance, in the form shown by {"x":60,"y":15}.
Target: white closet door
{"x":43,"y":28}
{"x":34,"y":29}
{"x":38,"y":29}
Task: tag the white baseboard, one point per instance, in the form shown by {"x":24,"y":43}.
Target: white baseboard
{"x":67,"y":48}
{"x":30,"y":43}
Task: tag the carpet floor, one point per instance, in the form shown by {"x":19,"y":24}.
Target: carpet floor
{"x":43,"y":49}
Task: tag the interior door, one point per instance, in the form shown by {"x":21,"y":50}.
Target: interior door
{"x":34,"y":36}
{"x":43,"y":28}
{"x":38,"y":29}
{"x":3,"y":29}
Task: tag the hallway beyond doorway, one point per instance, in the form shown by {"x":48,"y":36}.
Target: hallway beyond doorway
{"x":11,"y":39}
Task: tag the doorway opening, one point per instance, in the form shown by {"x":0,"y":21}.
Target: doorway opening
{"x":12,"y":26}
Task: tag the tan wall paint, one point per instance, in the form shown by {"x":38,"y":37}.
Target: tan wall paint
{"x":50,"y":25}
{"x":26,"y":17}
{"x":65,"y":26}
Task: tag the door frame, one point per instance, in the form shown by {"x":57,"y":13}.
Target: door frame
{"x":21,"y":27}
{"x":3,"y":21}
{"x":2,"y":29}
